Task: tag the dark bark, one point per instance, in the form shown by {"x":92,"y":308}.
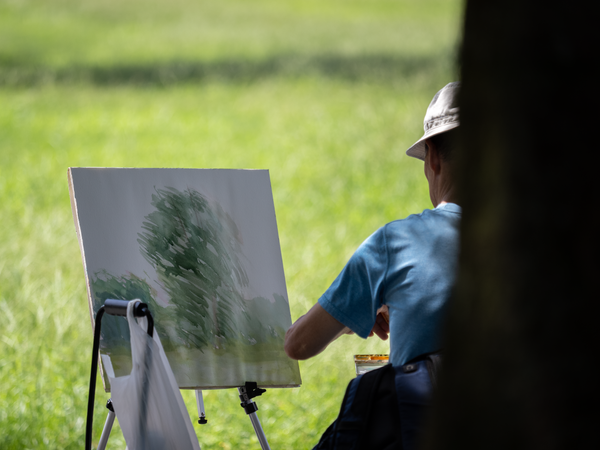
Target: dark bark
{"x":522,"y":336}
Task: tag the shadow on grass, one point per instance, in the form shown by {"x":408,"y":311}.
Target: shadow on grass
{"x":359,"y":68}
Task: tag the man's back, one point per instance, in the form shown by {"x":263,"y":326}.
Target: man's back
{"x":408,"y":265}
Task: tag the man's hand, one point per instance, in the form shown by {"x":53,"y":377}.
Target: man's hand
{"x":382,"y":325}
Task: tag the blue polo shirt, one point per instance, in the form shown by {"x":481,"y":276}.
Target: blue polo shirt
{"x":408,"y":265}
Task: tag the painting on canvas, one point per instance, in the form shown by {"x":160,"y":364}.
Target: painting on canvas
{"x":201,"y":248}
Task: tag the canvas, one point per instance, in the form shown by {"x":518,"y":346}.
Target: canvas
{"x":201,"y":248}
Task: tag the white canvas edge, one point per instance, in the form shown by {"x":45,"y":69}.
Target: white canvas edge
{"x":75,"y":212}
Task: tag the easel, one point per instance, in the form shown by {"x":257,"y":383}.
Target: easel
{"x":119,"y":308}
{"x":246,"y":393}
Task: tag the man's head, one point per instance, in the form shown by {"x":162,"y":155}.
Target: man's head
{"x":441,"y":117}
{"x":435,"y":148}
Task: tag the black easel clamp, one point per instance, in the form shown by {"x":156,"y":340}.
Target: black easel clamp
{"x":247,"y":393}
{"x":252,"y":389}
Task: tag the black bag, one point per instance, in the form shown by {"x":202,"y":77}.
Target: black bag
{"x":382,"y":409}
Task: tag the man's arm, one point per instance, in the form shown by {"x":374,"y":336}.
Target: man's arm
{"x":312,"y":333}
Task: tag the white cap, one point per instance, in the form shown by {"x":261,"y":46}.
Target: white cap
{"x":441,"y":116}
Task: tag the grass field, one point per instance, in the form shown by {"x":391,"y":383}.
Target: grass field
{"x":325,"y":94}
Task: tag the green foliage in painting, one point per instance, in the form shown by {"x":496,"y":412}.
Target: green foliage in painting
{"x":195,"y":248}
{"x":115,"y":330}
{"x":126,"y":287}
{"x":267,"y":318}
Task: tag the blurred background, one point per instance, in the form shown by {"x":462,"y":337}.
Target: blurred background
{"x":325,"y":94}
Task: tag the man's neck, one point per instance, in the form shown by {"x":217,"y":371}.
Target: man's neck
{"x":445,"y":196}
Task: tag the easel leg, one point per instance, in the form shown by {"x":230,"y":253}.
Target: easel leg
{"x":259,"y":431}
{"x":200,"y":404}
{"x":247,"y":392}
{"x":110,"y":420}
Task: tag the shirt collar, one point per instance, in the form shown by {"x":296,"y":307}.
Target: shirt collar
{"x":452,"y":207}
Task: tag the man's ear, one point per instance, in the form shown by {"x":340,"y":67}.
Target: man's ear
{"x":433,"y":158}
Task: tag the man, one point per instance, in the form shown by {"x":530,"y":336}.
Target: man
{"x":405,"y":271}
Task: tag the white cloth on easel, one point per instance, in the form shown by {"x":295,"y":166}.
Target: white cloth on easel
{"x":147,"y":402}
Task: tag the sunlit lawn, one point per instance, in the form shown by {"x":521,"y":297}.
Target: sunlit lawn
{"x":327,"y":95}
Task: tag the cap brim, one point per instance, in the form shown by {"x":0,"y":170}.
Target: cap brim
{"x":417,"y":150}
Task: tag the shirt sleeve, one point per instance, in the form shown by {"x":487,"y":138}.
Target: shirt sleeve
{"x":357,"y":292}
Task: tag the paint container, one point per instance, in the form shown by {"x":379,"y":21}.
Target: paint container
{"x":366,"y":363}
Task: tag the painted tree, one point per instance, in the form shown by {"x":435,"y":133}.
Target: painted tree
{"x":522,"y":333}
{"x":195,"y":248}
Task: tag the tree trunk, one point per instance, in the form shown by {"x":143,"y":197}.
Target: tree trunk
{"x":522,"y":335}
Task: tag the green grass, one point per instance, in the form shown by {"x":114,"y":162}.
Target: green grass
{"x":327,"y":95}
